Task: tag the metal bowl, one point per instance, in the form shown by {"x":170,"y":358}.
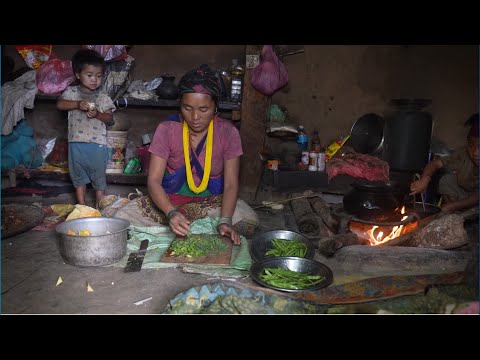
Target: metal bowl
{"x":294,"y":264}
{"x":106,"y":245}
{"x":261,"y":243}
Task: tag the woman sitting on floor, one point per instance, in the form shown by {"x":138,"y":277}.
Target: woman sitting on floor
{"x":194,"y":165}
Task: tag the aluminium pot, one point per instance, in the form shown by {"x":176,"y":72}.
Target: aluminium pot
{"x":370,"y":199}
{"x":106,"y":245}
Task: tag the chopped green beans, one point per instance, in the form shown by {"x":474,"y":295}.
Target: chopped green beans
{"x":288,"y":279}
{"x":195,"y":246}
{"x":287,"y":248}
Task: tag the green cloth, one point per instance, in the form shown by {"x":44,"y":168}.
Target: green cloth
{"x":185,"y":190}
{"x":160,"y":238}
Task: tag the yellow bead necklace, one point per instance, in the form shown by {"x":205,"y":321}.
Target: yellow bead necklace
{"x":208,"y":159}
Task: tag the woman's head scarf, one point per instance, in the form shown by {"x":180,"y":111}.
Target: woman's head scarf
{"x":202,"y":80}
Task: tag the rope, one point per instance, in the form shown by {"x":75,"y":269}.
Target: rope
{"x":282,"y":201}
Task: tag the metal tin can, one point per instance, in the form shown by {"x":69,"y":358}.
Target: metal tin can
{"x":313,"y":156}
{"x":321,"y":161}
{"x":272,"y":164}
{"x":133,"y":166}
{"x":305,"y":157}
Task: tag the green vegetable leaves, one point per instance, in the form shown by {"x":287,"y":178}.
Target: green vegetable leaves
{"x":287,"y":248}
{"x":196,"y":246}
{"x":288,"y":279}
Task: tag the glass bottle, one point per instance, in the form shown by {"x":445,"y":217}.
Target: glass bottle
{"x":316,"y":141}
{"x":237,"y":81}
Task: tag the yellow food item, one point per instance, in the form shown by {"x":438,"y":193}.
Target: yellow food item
{"x":84,"y":233}
{"x":82,"y":211}
{"x":70,"y":232}
{"x":62,"y":209}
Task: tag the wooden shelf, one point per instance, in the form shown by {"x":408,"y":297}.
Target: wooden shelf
{"x":127,"y":179}
{"x":133,"y":102}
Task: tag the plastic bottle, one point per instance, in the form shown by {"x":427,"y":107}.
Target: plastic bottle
{"x":237,"y":80}
{"x":302,"y":138}
{"x":316,"y":141}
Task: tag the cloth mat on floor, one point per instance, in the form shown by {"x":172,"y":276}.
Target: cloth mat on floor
{"x":222,"y":298}
{"x":50,"y":221}
{"x":160,"y":238}
{"x":31,"y":187}
{"x":241,"y":298}
{"x":384,"y":287}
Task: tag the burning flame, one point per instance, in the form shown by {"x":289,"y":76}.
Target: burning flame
{"x":379,"y":238}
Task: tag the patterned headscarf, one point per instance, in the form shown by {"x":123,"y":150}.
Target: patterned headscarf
{"x":202,"y":80}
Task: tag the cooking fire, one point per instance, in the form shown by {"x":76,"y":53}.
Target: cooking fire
{"x":384,"y":228}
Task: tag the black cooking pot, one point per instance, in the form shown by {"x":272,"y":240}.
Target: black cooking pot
{"x":167,"y":89}
{"x":370,"y":199}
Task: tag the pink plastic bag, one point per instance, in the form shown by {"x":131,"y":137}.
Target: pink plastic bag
{"x":54,"y":76}
{"x":271,"y":74}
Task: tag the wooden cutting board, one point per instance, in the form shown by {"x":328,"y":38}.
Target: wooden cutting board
{"x":221,"y":258}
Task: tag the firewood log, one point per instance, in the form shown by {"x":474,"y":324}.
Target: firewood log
{"x":308,"y":224}
{"x":306,"y":219}
{"x":323,"y":210}
{"x":300,"y":207}
{"x":327,"y":246}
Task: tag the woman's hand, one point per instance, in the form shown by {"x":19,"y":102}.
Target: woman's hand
{"x":227,"y":230}
{"x":179,"y":224}
{"x":419,"y":186}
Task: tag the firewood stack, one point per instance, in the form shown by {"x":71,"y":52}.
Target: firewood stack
{"x":313,"y":215}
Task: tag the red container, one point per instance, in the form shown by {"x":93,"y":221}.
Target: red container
{"x":144,"y":158}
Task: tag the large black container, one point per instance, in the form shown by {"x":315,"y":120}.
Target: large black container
{"x":407,"y":135}
{"x":167,"y":89}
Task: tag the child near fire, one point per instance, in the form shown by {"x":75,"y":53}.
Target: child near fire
{"x":459,"y":187}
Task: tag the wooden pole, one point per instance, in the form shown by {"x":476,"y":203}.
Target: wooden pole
{"x":252,"y":128}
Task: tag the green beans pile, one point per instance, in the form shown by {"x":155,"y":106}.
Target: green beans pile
{"x":198,"y":246}
{"x":287,"y":248}
{"x":288,"y":279}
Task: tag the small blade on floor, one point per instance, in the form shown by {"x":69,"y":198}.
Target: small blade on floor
{"x":135,"y":259}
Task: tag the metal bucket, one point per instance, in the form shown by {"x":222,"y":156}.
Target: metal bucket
{"x":106,"y":245}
